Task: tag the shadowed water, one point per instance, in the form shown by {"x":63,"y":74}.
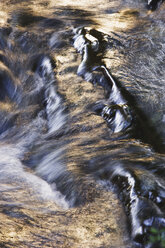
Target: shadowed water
{"x":82,"y":136}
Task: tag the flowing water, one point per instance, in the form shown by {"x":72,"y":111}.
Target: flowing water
{"x":82,"y":140}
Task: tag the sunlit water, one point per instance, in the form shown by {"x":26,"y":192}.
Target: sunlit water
{"x":70,"y":175}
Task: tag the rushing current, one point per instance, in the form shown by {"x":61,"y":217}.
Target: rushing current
{"x":82,"y":124}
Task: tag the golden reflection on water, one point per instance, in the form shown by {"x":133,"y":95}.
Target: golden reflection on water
{"x":28,"y":220}
{"x":43,"y":224}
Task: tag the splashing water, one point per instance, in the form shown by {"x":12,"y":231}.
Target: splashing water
{"x":82,"y":124}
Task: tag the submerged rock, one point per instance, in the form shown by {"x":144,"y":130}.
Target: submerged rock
{"x":140,"y":191}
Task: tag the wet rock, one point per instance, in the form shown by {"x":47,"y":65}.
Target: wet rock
{"x":153,"y":4}
{"x":141,"y":194}
{"x":90,"y":43}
